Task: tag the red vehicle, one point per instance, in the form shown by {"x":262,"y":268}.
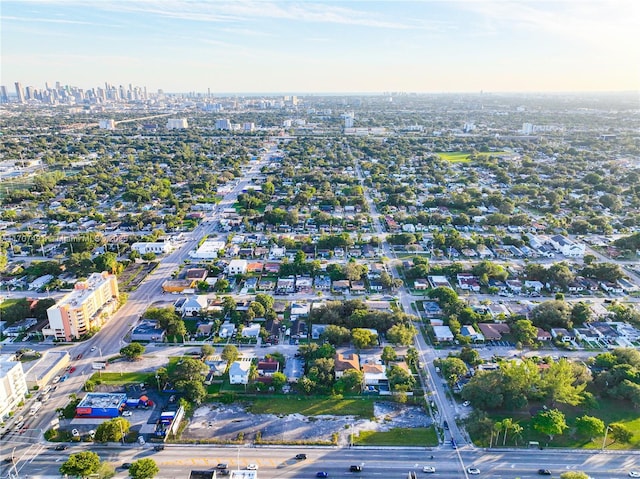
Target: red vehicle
{"x":72,"y":369}
{"x":79,"y":356}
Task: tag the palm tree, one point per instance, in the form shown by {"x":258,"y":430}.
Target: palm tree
{"x":497,"y":427}
{"x":517,"y":432}
{"x":507,"y":424}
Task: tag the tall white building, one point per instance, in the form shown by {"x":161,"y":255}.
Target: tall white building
{"x":107,"y":124}
{"x":349,"y":118}
{"x":249,"y":127}
{"x":13,"y":386}
{"x":223,"y":124}
{"x":177,"y":123}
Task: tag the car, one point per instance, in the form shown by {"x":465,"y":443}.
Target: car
{"x":301,"y":456}
{"x":79,"y":356}
{"x":445,"y":425}
{"x":126,"y":465}
{"x":72,"y":369}
{"x":453,"y":444}
{"x":222,"y":465}
{"x":355,"y":468}
{"x":56,"y":379}
{"x":322,"y":474}
{"x":223,"y":472}
{"x":466,"y":404}
{"x":159,"y":447}
{"x":474,"y":471}
{"x":64,"y":378}
{"x":634,"y":473}
{"x":93,"y":348}
{"x":127,"y":413}
{"x":61,"y":447}
{"x":75,"y":432}
{"x":252,"y":467}
{"x":428,"y":469}
{"x":544,"y":472}
{"x":10,"y":459}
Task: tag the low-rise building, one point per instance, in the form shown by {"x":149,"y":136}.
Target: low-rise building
{"x":147,"y":331}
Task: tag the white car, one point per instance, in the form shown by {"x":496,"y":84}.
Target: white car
{"x":75,"y":433}
{"x":466,"y":404}
{"x":428,"y":469}
{"x":474,"y":471}
{"x":93,"y":348}
{"x":634,"y":473}
{"x":252,"y":467}
{"x":127,"y":414}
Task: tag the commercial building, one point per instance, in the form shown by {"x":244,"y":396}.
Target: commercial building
{"x":209,"y":249}
{"x":100,"y":405}
{"x":13,"y":386}
{"x":157,"y":247}
{"x":177,"y":123}
{"x":85,"y":308}
{"x":148,"y":331}
{"x":50,"y":364}
{"x":107,"y":124}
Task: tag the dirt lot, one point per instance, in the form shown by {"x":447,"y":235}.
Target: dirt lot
{"x":221,"y":421}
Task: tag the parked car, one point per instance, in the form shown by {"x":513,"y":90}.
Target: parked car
{"x":127,"y":413}
{"x":75,"y":433}
{"x":466,"y":404}
{"x":159,"y":447}
{"x":634,"y":473}
{"x":252,"y":467}
{"x":474,"y":471}
{"x":428,"y":469}
{"x":301,"y":456}
{"x":222,"y":465}
{"x":72,"y":369}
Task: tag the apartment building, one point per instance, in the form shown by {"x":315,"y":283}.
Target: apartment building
{"x":88,"y":306}
{"x":13,"y":386}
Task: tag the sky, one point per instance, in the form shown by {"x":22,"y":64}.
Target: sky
{"x":324,"y":46}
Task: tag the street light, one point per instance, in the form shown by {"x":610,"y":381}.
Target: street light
{"x":604,"y":441}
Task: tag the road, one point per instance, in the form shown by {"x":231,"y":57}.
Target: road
{"x":176,"y":461}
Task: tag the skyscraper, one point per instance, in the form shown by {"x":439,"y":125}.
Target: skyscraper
{"x":19,"y":92}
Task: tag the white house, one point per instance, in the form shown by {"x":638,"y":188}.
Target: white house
{"x":533,"y":285}
{"x":193,"y":305}
{"x":157,"y":247}
{"x":251,"y":331}
{"x":239,"y":372}
{"x":227,"y":330}
{"x":442,"y":333}
{"x":567,"y":247}
{"x":40,"y":282}
{"x":237,"y":266}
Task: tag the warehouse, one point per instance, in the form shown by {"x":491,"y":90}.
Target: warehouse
{"x":101,"y":405}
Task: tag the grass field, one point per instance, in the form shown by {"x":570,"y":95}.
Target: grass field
{"x":419,"y":436}
{"x":123,"y":378}
{"x":313,"y":406}
{"x":609,"y":411}
{"x":463,"y":156}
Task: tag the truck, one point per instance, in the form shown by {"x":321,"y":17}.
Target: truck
{"x":35,"y":407}
{"x":99,"y":365}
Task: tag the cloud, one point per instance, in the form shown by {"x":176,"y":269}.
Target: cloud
{"x":44,"y":20}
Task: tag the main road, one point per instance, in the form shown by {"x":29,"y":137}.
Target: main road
{"x":176,"y":461}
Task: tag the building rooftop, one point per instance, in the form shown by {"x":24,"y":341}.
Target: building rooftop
{"x":102,"y":400}
{"x":48,"y":361}
{"x":77,"y":296}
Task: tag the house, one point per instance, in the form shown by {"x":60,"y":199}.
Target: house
{"x":346,"y":362}
{"x":611,"y":288}
{"x":304,"y":284}
{"x":286,"y":285}
{"x":567,"y":247}
{"x":272,"y":267}
{"x":562,"y":334}
{"x":374,"y":374}
{"x":484,"y":252}
{"x":468,"y":282}
{"x":251,"y":331}
{"x":299,"y":309}
{"x":437,"y":281}
{"x":514,"y":285}
{"x":239,"y":372}
{"x":494,"y":331}
{"x":237,"y":266}
{"x":227,"y":330}
{"x":536,"y":286}
{"x":255,"y":267}
{"x":420,"y":284}
{"x":543,"y":335}
{"x":191,"y":306}
{"x":317,"y":330}
{"x":432,"y":309}
{"x":322,"y":283}
{"x":196,"y":274}
{"x":272,"y":327}
{"x":358,"y":287}
{"x":442,"y":333}
{"x":277,"y":252}
{"x":341,"y":286}
{"x":147,"y":331}
{"x":268,"y":367}
{"x":298,"y":329}
{"x":469,"y":332}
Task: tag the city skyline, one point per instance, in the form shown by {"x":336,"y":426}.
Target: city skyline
{"x":324,"y":47}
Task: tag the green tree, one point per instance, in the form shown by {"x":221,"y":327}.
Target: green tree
{"x":132,"y":351}
{"x":559,"y":384}
{"x":589,"y":426}
{"x":222,"y":285}
{"x":581,"y":313}
{"x":81,"y":464}
{"x":388,"y":355}
{"x":363,"y":338}
{"x":400,"y":379}
{"x":552,"y":314}
{"x":452,"y":369}
{"x":574,"y":475}
{"x":207,"y":350}
{"x":620,"y":433}
{"x":194,"y":390}
{"x":189,"y":369}
{"x":335,"y":335}
{"x":230,"y":354}
{"x":351,"y":381}
{"x":550,"y":422}
{"x":265,"y":300}
{"x":412,"y":357}
{"x":113,"y":430}
{"x":278,"y":380}
{"x":144,"y":469}
{"x":524,"y":331}
{"x":401,"y":334}
{"x":470,"y":356}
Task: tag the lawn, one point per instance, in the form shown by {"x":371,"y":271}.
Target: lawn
{"x":463,"y":156}
{"x":313,"y":406}
{"x":419,"y":436}
{"x":123,"y":378}
{"x":609,"y":411}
